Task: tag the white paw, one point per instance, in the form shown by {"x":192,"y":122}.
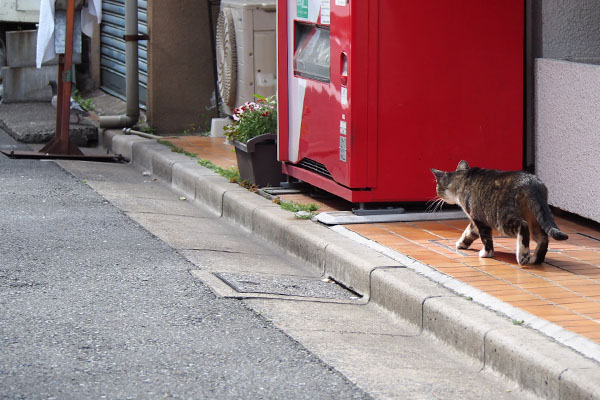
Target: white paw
{"x":461,"y":245}
{"x":486,"y":254}
{"x":523,"y":256}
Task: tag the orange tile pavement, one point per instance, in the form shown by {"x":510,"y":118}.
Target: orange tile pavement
{"x":565,"y":289}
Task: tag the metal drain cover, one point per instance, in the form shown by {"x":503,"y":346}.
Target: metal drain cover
{"x":287,"y":286}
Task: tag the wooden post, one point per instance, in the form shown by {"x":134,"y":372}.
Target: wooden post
{"x":61,"y":143}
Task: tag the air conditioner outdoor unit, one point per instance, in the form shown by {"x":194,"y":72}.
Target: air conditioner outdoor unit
{"x":246,"y":51}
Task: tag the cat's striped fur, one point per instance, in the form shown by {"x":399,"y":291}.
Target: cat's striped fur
{"x":515,"y":203}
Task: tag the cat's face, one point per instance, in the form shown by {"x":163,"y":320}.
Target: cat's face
{"x":447,"y":182}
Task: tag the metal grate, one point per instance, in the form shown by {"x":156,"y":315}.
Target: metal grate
{"x":314,"y":166}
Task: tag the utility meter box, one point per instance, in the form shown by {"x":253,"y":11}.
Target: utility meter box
{"x":372,"y":94}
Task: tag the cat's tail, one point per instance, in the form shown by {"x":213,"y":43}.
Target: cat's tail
{"x":545,"y":219}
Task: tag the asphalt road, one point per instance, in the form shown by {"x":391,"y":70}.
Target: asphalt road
{"x":94,"y":306}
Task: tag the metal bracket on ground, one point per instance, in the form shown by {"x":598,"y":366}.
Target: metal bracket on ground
{"x":348,"y":217}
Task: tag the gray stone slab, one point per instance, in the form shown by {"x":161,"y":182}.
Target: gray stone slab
{"x":28,"y":83}
{"x":260,"y":262}
{"x":184,"y":176}
{"x":336,"y":317}
{"x":123,"y":145}
{"x":240,"y":207}
{"x":404,"y":292}
{"x":35,"y":122}
{"x":389,"y":357}
{"x":21,"y":49}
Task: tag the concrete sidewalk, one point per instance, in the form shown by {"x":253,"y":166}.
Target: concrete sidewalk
{"x":411,"y":289}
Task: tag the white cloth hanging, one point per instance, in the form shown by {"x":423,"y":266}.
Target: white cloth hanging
{"x":91,"y":14}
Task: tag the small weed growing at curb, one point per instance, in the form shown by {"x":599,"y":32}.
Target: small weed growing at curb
{"x":176,"y":149}
{"x":303,"y":211}
{"x":517,"y":322}
{"x":231,"y":173}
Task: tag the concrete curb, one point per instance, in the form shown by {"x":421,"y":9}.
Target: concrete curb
{"x":535,"y":361}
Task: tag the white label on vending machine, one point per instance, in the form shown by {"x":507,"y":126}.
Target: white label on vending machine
{"x":340,"y":2}
{"x":343,"y":148}
{"x":325,"y":12}
{"x":343,"y":127}
{"x":344,"y":99}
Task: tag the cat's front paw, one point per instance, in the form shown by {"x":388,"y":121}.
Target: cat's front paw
{"x":460,"y":245}
{"x":483,"y":253}
{"x":523,"y":258}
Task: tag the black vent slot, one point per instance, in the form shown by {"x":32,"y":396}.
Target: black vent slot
{"x":314,"y":166}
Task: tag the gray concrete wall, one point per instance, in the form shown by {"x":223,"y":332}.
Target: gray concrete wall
{"x":570,"y":30}
{"x":567,"y":139}
{"x":563,"y":43}
{"x":180,"y":69}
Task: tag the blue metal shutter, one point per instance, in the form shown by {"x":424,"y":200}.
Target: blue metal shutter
{"x":112,"y":48}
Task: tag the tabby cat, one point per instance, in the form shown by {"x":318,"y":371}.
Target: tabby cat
{"x":515,"y":203}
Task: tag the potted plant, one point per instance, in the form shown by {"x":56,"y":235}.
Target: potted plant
{"x":254,"y":135}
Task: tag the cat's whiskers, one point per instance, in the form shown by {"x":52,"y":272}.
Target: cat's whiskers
{"x":434,"y":205}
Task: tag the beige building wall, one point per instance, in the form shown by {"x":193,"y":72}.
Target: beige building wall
{"x":180,"y":66}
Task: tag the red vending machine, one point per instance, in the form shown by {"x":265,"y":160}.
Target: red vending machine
{"x":373,"y":93}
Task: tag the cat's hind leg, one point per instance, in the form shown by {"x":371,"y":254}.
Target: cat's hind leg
{"x":485,"y":233}
{"x":541,"y":238}
{"x":523,"y":244}
{"x":468,"y":236}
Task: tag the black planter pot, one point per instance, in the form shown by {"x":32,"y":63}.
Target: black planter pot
{"x":257,"y":160}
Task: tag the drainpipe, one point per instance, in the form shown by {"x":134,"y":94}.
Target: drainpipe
{"x":131,"y":78}
{"x":129,"y":131}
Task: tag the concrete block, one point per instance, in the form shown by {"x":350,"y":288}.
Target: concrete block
{"x":461,"y":323}
{"x":217,"y":125}
{"x":185,"y":175}
{"x":533,"y":361}
{"x":143,"y":152}
{"x":239,"y":207}
{"x":580,"y":383}
{"x":105,"y":137}
{"x":123,"y":145}
{"x":163,"y":162}
{"x":28,"y":83}
{"x":210,"y":191}
{"x":301,"y":238}
{"x":403,"y":292}
{"x":21,"y":48}
{"x":352,"y":264}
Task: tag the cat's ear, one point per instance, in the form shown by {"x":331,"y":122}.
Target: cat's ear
{"x":437,"y":173}
{"x":462,"y":165}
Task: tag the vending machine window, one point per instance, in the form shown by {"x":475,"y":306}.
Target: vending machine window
{"x":372,"y":94}
{"x":311,"y":53}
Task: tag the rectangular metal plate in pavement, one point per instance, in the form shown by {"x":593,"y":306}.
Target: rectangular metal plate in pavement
{"x":287,"y":286}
